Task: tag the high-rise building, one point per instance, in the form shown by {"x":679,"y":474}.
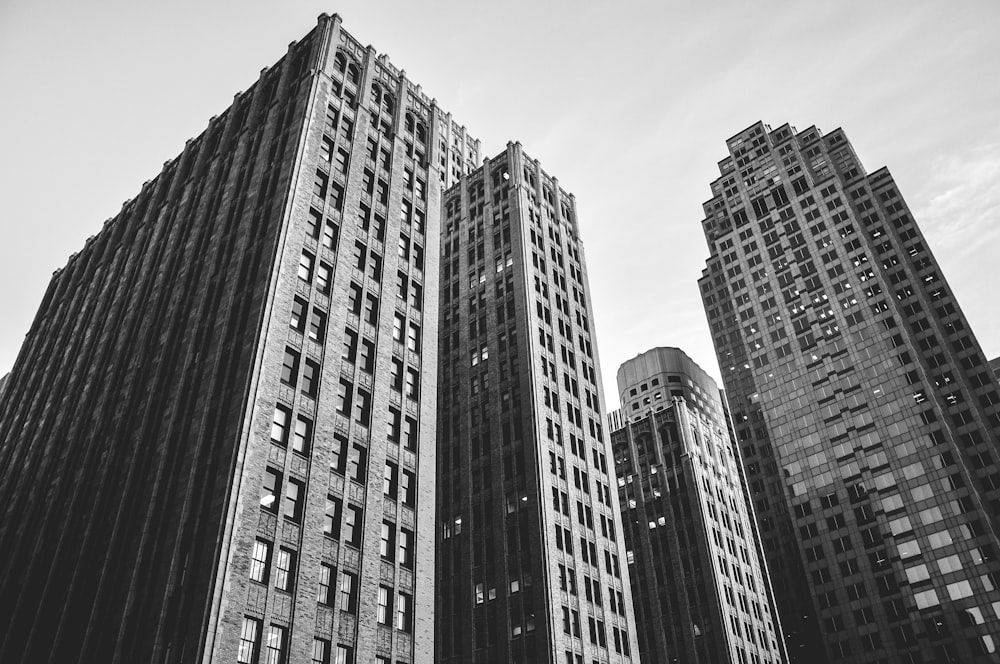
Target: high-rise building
{"x":700,"y":590}
{"x":219,"y":439}
{"x":530,"y":546}
{"x":865,"y":410}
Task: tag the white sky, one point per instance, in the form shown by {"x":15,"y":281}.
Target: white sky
{"x":628,"y":103}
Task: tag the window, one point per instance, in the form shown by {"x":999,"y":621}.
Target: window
{"x":357,"y":463}
{"x":384,"y":607}
{"x":269,"y":492}
{"x":306,"y":262}
{"x":387,"y":548}
{"x":298,"y":319}
{"x":302,"y":439}
{"x":404,"y":612}
{"x":409,"y":488}
{"x":410,"y":440}
{"x":390,"y":480}
{"x":355,"y":524}
{"x":317,"y":326}
{"x":412,"y":384}
{"x":284,"y":573}
{"x":327,"y":574}
{"x":310,"y":379}
{"x":319,"y":184}
{"x":289,"y":367}
{"x":413,"y":338}
{"x":279,"y":425}
{"x":345,"y":655}
{"x":249,"y":643}
{"x":331,"y":520}
{"x":348,"y":592}
{"x":405,"y":557}
{"x":394,"y":422}
{"x":294,"y":495}
{"x":371,"y":309}
{"x":331,"y":233}
{"x":321,"y":651}
{"x":274,"y":648}
{"x":323,"y":274}
{"x":260,"y":560}
{"x":338,"y":463}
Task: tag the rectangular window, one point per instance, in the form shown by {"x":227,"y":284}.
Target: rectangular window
{"x":367,"y":356}
{"x":321,"y":651}
{"x":387,"y":547}
{"x":355,"y":524}
{"x":405,"y":558}
{"x":298,"y":318}
{"x":260,"y":560}
{"x":323,"y":275}
{"x":284,"y":571}
{"x":390,"y":480}
{"x":331,"y":233}
{"x":338,"y":463}
{"x":319,"y":184}
{"x":317,"y":326}
{"x":413,"y":338}
{"x":310,"y":379}
{"x":357,"y":463}
{"x":274,"y":649}
{"x":348,"y":592}
{"x":345,"y":655}
{"x":371,"y":309}
{"x":394,"y":424}
{"x":302,"y":438}
{"x":331,"y":520}
{"x":412,"y":384}
{"x":269,"y":491}
{"x":410,"y":440}
{"x":384,"y":607}
{"x":409,"y":488}
{"x":306,"y":262}
{"x":404,"y":612}
{"x":294,"y":495}
{"x":289,"y":367}
{"x":249,"y":641}
{"x":327,"y":574}
{"x":279,"y":425}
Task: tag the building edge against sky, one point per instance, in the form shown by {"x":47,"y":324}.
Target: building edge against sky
{"x":701,"y":589}
{"x":250,"y":474}
{"x":863,"y":406}
{"x":530,"y":533}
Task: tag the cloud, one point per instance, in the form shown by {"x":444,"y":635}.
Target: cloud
{"x":962,"y":200}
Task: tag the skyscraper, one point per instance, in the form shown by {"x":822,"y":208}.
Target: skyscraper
{"x":530,"y":546}
{"x":219,"y":437}
{"x":700,"y":590}
{"x":864,"y":407}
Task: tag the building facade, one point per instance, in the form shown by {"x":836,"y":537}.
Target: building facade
{"x":530,"y":566}
{"x":219,"y":439}
{"x":701,"y":591}
{"x":864,"y":408}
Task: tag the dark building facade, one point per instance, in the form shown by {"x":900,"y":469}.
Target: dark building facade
{"x":700,"y":590}
{"x":218,"y":442}
{"x":530,"y":566}
{"x":863,"y":406}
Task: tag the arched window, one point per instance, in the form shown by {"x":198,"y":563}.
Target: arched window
{"x":409,"y":123}
{"x":376,"y":95}
{"x":353,"y":75}
{"x":388,"y":104}
{"x":421,"y":133}
{"x":340,"y":62}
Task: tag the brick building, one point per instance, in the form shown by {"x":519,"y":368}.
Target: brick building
{"x":530,"y":566}
{"x":863,"y":406}
{"x":701,"y":591}
{"x":219,"y":439}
